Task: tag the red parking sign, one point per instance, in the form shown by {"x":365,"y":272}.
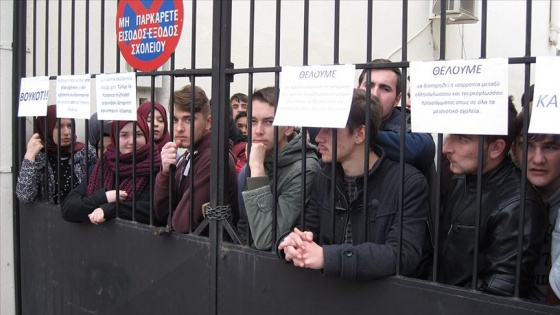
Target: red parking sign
{"x":148,"y":31}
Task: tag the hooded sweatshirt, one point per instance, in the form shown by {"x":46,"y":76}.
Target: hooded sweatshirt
{"x":259,"y":200}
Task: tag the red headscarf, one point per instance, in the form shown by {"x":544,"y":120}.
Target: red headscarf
{"x":47,"y":132}
{"x":145,"y":109}
{"x":125,"y":166}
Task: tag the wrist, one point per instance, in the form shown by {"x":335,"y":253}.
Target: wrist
{"x":257,"y":170}
{"x":165,"y":170}
{"x":30,"y":157}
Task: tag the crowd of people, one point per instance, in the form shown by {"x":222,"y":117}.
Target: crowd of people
{"x":343,"y":206}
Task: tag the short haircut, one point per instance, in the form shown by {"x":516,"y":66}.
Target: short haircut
{"x":511,"y":134}
{"x":397,"y":71}
{"x":240,"y":97}
{"x":357,"y":115}
{"x":266,"y":95}
{"x":240,"y":115}
{"x":183,"y":99}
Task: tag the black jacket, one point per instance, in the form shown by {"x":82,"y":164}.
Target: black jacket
{"x":499,"y":228}
{"x":375,"y":255}
{"x":77,"y":206}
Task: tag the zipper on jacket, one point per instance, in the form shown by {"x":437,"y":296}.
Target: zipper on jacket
{"x":458,"y":226}
{"x":344,"y":231}
{"x":343,"y":236}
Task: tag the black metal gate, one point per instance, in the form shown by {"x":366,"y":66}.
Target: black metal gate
{"x":121,"y":267}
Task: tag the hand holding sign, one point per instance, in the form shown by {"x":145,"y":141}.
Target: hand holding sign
{"x":34,"y":146}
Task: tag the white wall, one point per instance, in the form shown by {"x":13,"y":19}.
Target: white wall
{"x":7,"y":303}
{"x":505,"y":38}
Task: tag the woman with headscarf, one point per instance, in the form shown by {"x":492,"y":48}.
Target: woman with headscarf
{"x":31,"y":185}
{"x":161,"y":133}
{"x":96,"y":201}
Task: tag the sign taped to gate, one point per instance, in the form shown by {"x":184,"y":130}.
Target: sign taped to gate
{"x":148,"y":31}
{"x":460,"y":96}
{"x":116,"y":96}
{"x":315,"y":96}
{"x":33,"y":96}
{"x":545,"y":112}
{"x":73,"y":94}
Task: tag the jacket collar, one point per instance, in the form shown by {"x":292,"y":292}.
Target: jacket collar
{"x":488,"y":176}
{"x":327,"y":170}
{"x":203,"y":143}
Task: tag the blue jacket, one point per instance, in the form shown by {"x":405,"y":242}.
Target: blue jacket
{"x":419,"y":147}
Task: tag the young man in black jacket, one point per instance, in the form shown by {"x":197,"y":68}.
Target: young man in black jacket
{"x":500,"y":213}
{"x":340,"y":238}
{"x":543,"y":171}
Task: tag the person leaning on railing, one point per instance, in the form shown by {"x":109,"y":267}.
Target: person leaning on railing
{"x":257,"y":199}
{"x":31,"y":184}
{"x":360,"y":246}
{"x":499,"y":217}
{"x":543,"y":171}
{"x":194,"y":163}
{"x":96,"y":201}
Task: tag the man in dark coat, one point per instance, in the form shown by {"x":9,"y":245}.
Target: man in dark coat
{"x":500,"y":213}
{"x":342,"y":239}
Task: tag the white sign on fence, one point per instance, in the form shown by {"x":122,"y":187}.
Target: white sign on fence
{"x":116,"y":96}
{"x":33,"y":96}
{"x":73,"y":95}
{"x":315,"y":96}
{"x":545,"y":113}
{"x":459,"y":96}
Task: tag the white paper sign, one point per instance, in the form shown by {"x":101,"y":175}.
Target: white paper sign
{"x":315,"y":96}
{"x":545,"y":112}
{"x":33,"y":96}
{"x":116,"y":96}
{"x":73,"y":94}
{"x":460,"y":96}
